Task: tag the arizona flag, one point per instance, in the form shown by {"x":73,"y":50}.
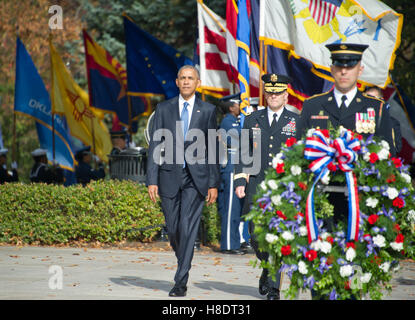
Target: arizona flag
{"x":306,"y":26}
{"x":107,"y":83}
{"x":70,"y":100}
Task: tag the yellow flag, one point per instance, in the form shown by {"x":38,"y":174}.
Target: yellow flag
{"x":70,"y":100}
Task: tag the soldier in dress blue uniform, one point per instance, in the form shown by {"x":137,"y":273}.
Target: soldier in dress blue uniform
{"x":41,"y":172}
{"x":6,"y":175}
{"x":84,"y":171}
{"x":229,"y":205}
{"x":118,"y":139}
{"x":275,"y":124}
{"x":345,"y":105}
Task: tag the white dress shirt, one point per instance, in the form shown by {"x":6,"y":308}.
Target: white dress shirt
{"x":271,"y":115}
{"x":350,"y":96}
{"x":191,"y":102}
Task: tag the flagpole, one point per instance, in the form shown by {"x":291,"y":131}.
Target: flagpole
{"x":52,"y":100}
{"x":261,"y":67}
{"x":14,"y":112}
{"x":130,"y":120}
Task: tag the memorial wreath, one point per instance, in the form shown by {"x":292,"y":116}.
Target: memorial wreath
{"x":350,"y":259}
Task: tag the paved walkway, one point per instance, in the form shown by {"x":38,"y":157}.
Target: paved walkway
{"x":33,"y":273}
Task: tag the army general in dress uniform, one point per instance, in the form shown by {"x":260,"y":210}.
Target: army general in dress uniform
{"x":275,"y":124}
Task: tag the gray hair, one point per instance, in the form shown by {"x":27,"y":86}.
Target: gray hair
{"x":188,"y":66}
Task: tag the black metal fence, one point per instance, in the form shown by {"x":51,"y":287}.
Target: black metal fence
{"x":130,"y":164}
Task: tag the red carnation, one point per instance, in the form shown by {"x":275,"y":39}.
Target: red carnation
{"x":280,"y":168}
{"x":397,"y":227}
{"x":286,"y":250}
{"x":351,"y":245}
{"x":311,"y":255}
{"x":373,"y":157}
{"x":302,"y":185}
{"x":281,"y":215}
{"x":373,"y":218}
{"x":330,"y":239}
{"x":332,"y":167}
{"x":347,"y":285}
{"x":397,"y":162}
{"x":298,"y":215}
{"x":398,"y":202}
{"x":391,"y":178}
{"x":290,"y":142}
{"x":399,"y":238}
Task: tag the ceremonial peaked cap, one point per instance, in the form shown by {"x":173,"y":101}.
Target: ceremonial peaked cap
{"x":346,"y":54}
{"x":275,"y":83}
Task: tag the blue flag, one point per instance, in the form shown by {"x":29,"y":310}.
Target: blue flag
{"x":152,"y":65}
{"x":32,"y":100}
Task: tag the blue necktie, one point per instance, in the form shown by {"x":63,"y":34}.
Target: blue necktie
{"x":185,"y":118}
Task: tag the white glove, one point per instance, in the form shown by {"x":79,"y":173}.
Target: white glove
{"x":96,"y":158}
{"x":14,"y":165}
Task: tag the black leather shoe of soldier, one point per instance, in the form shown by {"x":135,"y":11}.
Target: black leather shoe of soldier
{"x":263,"y":283}
{"x":234,"y":251}
{"x":273,"y":294}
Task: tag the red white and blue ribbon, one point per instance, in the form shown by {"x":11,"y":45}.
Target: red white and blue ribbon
{"x":342,"y":151}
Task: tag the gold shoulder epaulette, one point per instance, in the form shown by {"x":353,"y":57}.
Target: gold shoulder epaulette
{"x":319,"y":95}
{"x":372,"y":97}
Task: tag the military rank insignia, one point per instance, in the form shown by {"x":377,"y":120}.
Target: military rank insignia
{"x":365,"y":122}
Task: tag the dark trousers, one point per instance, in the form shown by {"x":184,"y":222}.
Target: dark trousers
{"x":182,"y":214}
{"x":263,"y":256}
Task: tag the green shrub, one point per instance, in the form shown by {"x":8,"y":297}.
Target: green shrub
{"x":107,"y":211}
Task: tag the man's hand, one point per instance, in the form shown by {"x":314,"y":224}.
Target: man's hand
{"x":212,"y":196}
{"x":240,"y":192}
{"x":153,"y":192}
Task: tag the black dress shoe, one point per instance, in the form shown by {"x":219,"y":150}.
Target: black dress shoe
{"x":233,"y":251}
{"x":263,"y":283}
{"x":273,"y":294}
{"x":178,"y":292}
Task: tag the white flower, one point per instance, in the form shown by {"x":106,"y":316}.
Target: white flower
{"x":325,"y":247}
{"x":350,"y":254}
{"x":392,"y":193}
{"x":276,"y":200}
{"x":326,"y":179}
{"x":383,"y":154}
{"x":366,"y":277}
{"x":263,"y":186}
{"x":346,"y":271}
{"x":398,"y":246}
{"x":273,"y":184}
{"x":406,"y":177}
{"x":302,"y":267}
{"x":411,"y":216}
{"x":287,"y":235}
{"x":379,"y":240}
{"x":295,"y":170}
{"x":277,"y":160}
{"x":372,"y":202}
{"x":385,"y":266}
{"x":385,"y":145}
{"x":316,"y":245}
{"x":366,"y":156}
{"x":324,"y":235}
{"x":303,"y":231}
{"x":271,"y":238}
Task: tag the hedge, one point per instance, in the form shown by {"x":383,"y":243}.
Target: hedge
{"x":107,"y":211}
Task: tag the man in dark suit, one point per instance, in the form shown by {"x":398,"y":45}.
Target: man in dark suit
{"x":181,"y":174}
{"x":275,"y":124}
{"x":345,"y":105}
{"x":84,"y":172}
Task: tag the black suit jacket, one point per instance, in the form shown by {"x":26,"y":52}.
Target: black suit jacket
{"x":164,"y":168}
{"x":319,"y":109}
{"x":271,"y":140}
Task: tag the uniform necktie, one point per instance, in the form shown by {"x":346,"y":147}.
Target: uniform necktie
{"x":274,"y":121}
{"x":343,"y":104}
{"x":185,"y":118}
